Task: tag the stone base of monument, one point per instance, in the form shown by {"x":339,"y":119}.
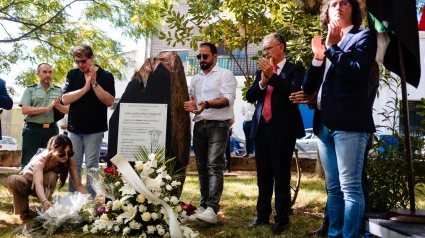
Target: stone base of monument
{"x":10,"y":158}
{"x":248,"y":164}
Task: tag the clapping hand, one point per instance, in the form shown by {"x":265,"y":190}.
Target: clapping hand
{"x":318,"y":48}
{"x":302,"y":98}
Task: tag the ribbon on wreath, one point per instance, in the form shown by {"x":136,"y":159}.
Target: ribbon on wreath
{"x":132,"y":178}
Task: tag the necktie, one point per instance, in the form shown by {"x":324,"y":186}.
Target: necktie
{"x":267,"y":109}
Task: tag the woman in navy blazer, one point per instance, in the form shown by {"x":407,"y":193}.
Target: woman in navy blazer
{"x":343,"y":115}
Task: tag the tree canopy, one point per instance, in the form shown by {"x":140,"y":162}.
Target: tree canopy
{"x":47,"y":31}
{"x":235,"y":24}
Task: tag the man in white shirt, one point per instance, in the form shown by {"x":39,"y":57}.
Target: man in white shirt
{"x":247,"y":112}
{"x":213,"y":95}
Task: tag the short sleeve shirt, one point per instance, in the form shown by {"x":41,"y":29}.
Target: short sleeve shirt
{"x":88,"y":115}
{"x":36,"y":96}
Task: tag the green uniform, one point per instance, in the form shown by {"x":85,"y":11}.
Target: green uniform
{"x":38,"y":128}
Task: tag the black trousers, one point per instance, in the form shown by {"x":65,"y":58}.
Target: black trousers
{"x":273,"y":155}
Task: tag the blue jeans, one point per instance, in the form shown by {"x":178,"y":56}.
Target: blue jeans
{"x":209,"y":142}
{"x":88,"y":145}
{"x":342,"y":155}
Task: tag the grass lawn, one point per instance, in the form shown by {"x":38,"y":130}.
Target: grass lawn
{"x":237,"y":208}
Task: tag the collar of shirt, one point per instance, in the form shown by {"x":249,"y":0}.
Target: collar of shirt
{"x":39,"y":86}
{"x":212,"y":70}
{"x":280,"y":66}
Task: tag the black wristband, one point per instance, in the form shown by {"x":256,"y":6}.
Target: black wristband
{"x":207,"y":105}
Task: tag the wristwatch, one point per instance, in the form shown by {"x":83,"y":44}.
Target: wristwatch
{"x":95,"y":84}
{"x":207,"y":105}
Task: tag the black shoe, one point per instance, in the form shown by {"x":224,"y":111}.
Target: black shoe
{"x":258,"y":222}
{"x":321,"y":232}
{"x":278,"y":228}
{"x":228,"y":170}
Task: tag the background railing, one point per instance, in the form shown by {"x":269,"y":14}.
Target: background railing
{"x":223,"y":61}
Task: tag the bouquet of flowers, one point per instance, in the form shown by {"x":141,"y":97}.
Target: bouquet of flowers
{"x":142,"y":200}
{"x":64,"y":214}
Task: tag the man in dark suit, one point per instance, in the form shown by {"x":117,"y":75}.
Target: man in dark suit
{"x":5,"y":101}
{"x":276,"y":125}
{"x":343,"y":116}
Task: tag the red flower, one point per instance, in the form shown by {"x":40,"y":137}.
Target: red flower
{"x":111,"y":170}
{"x":189,"y":208}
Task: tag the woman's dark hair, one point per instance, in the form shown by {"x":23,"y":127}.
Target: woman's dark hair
{"x":356,"y":13}
{"x":56,"y":143}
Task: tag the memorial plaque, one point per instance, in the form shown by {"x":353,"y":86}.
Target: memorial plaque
{"x":141,"y":125}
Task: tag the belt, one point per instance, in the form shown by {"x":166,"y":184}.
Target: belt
{"x":45,"y":126}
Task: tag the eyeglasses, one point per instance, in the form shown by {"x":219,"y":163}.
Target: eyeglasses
{"x":63,"y":154}
{"x":344,"y":4}
{"x":204,"y":56}
{"x":81,"y":61}
{"x":270,"y":47}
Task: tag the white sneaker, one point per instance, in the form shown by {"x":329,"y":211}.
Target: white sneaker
{"x":208,"y":216}
{"x":195,"y":216}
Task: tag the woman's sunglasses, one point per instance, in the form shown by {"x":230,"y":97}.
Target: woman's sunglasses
{"x":63,"y":154}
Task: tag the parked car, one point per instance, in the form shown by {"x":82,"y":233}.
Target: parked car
{"x":103,"y":152}
{"x":307,"y":146}
{"x":237,"y":145}
{"x":8,"y":143}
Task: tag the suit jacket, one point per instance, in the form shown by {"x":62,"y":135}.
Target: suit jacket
{"x":286,"y":116}
{"x":345,"y":103}
{"x":5,"y":101}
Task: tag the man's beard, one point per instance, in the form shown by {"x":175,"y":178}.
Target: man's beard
{"x":206,"y":66}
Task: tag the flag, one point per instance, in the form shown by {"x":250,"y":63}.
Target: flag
{"x":398,"y":19}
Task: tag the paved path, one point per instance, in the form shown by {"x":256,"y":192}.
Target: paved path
{"x":4,"y":170}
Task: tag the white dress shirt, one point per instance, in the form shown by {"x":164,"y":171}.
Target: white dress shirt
{"x":248,"y":111}
{"x":318,"y":63}
{"x":217,"y":83}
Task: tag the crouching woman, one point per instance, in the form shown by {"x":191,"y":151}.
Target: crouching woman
{"x":40,"y":176}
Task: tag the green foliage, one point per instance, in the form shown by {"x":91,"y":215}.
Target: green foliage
{"x":47,"y":31}
{"x":387,"y":168}
{"x":235,"y":24}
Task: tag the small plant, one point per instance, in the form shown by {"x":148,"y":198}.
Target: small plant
{"x":387,"y":169}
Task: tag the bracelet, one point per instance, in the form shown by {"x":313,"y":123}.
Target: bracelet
{"x":318,"y":59}
{"x":45,"y":200}
{"x":207,"y":105}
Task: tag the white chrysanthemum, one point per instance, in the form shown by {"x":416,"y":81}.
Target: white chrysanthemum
{"x":116,"y":205}
{"x":126,"y":230}
{"x":162,"y":183}
{"x":110,"y":225}
{"x":143,"y":235}
{"x":117,"y":184}
{"x":168,"y":177}
{"x":166,"y":199}
{"x":127,"y":189}
{"x":154,"y":216}
{"x":140,"y":198}
{"x":161,"y":232}
{"x":151,"y":229}
{"x":152,"y":184}
{"x":174,"y":183}
{"x":174,"y":200}
{"x":86,"y":228}
{"x":158,"y":227}
{"x":179,"y":183}
{"x":168,"y":187}
{"x":142,"y":208}
{"x":178,"y":209}
{"x":134,"y":225}
{"x":146,"y":216}
{"x":119,"y":220}
{"x":130,"y":212}
{"x":116,"y":228}
{"x":109,"y":203}
{"x":139,"y":165}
